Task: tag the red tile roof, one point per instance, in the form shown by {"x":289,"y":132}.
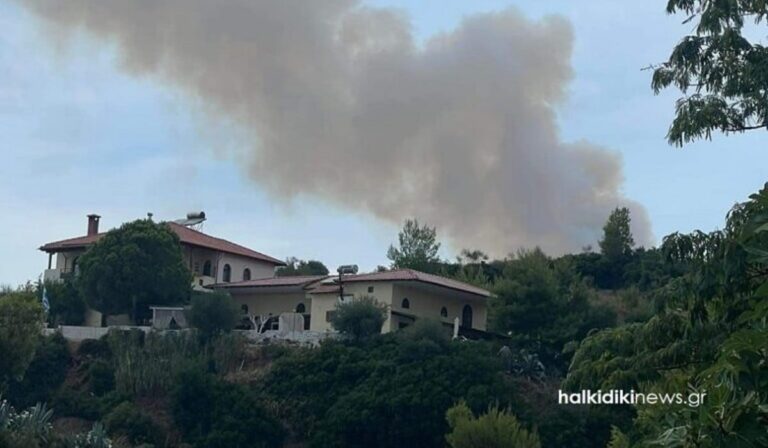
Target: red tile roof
{"x":186,"y":236}
{"x":406,"y":275}
{"x":299,"y":280}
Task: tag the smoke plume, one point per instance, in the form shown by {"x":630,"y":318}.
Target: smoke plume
{"x":342,"y":103}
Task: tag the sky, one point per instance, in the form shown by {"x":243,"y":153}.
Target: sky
{"x":79,"y":135}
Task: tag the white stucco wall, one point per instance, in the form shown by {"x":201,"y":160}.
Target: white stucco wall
{"x":427,"y":303}
{"x":259,"y":269}
{"x":274,"y":303}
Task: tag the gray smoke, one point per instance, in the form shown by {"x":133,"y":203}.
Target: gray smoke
{"x":343,"y":104}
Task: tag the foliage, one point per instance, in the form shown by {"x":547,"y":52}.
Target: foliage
{"x":616,"y":246}
{"x":543,"y":306}
{"x":148,"y":364}
{"x":32,"y":429}
{"x":132,"y":267}
{"x":212,"y":313}
{"x":390,"y":391}
{"x":129,"y":421}
{"x":101,"y":377}
{"x":21,"y":319}
{"x":494,"y":429}
{"x":295,"y":267}
{"x":44,"y":375}
{"x":418,"y":248}
{"x":67,"y":306}
{"x":721,"y":74}
{"x":213,"y":413}
{"x":359,"y":318}
{"x":710,"y":335}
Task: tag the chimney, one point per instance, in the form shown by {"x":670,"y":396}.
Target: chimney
{"x":93,"y":224}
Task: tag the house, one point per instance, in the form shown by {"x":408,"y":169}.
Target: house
{"x":211,"y":260}
{"x":408,"y":294}
{"x":249,"y":277}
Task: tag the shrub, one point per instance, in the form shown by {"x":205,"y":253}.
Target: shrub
{"x":69,"y":402}
{"x":21,"y":317}
{"x":128,"y":421}
{"x":44,"y":375}
{"x":95,"y":348}
{"x":67,"y":304}
{"x":213,"y":313}
{"x":101,"y":377}
{"x":212,"y":412}
{"x":494,"y":429}
{"x":385,"y":392}
{"x":359,"y":318}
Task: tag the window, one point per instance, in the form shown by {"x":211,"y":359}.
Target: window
{"x":401,"y":325}
{"x":207,"y":268}
{"x":329,"y":315}
{"x":370,"y":289}
{"x":244,"y":308}
{"x":246,"y":274}
{"x":227,"y":273}
{"x":406,"y":303}
{"x":443,"y":312}
{"x":466,"y":317}
{"x":300,"y":308}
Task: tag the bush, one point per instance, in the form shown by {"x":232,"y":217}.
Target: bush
{"x":213,"y":413}
{"x":101,"y":377}
{"x":494,"y":429}
{"x":95,"y":348}
{"x":67,"y":305}
{"x":128,"y":421}
{"x":359,"y":318}
{"x":386,"y":392}
{"x":212,"y":313}
{"x":44,"y":375}
{"x":21,"y":317}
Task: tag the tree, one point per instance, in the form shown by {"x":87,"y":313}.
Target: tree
{"x":418,"y":247}
{"x":722,"y":75}
{"x":359,"y":318}
{"x":67,"y":304}
{"x":616,"y":248}
{"x":21,"y":320}
{"x":295,"y":267}
{"x":130,"y":268}
{"x":617,"y":241}
{"x":494,"y":429}
{"x":213,"y":313}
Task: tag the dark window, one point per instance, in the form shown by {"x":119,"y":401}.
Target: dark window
{"x":246,"y":274}
{"x":207,"y":268}
{"x":443,"y":312}
{"x":74,"y":264}
{"x":370,"y":289}
{"x":227,"y":273}
{"x":329,"y":315}
{"x":402,"y":325}
{"x":300,"y":308}
{"x":244,"y":308}
{"x":406,"y":303}
{"x":466,"y":317}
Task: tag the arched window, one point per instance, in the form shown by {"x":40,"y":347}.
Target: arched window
{"x":207,"y":268}
{"x":443,"y":312}
{"x":406,"y":303}
{"x":466,"y":317}
{"x":74,"y":264}
{"x":246,"y":274}
{"x":227,"y":273}
{"x":300,"y":308}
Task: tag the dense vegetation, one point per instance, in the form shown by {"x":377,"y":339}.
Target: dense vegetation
{"x":689,"y":316}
